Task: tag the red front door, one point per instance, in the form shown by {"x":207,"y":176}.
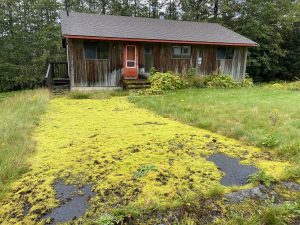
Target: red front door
{"x":130,"y":61}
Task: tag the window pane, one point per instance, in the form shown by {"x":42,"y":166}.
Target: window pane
{"x":130,"y":53}
{"x":221,"y":53}
{"x":229,"y":53}
{"x":177,"y":51}
{"x":103,"y":50}
{"x":130,"y":63}
{"x":148,"y":50}
{"x":186,"y":51}
{"x":90,"y":50}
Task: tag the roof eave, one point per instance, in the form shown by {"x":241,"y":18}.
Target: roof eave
{"x":158,"y":41}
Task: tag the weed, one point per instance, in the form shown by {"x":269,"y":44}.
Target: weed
{"x":293,"y":173}
{"x":276,"y":214}
{"x":261,"y":178}
{"x":106,"y":219}
{"x":126,"y":212}
{"x":186,"y":220}
{"x":144,"y":170}
{"x":270,"y":141}
{"x":216,"y":190}
{"x":274,"y":117}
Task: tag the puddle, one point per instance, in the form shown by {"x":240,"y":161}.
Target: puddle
{"x":235,"y":173}
{"x":73,"y":202}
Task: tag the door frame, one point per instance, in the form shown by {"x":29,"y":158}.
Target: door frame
{"x":130,"y":72}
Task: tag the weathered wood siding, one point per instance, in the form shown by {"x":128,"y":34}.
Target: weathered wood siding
{"x":163,"y":61}
{"x":108,"y":73}
{"x":94,"y":73}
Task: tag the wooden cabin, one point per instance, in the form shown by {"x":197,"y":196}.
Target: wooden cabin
{"x":103,"y":50}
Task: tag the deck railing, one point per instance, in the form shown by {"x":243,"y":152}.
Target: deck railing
{"x":57,"y":74}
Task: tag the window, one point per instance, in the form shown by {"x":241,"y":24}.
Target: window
{"x":225,"y":53}
{"x":181,"y":52}
{"x":96,"y":50}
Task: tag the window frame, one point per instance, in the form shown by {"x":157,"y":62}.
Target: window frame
{"x":182,"y":55}
{"x":97,"y":49}
{"x":226,"y":50}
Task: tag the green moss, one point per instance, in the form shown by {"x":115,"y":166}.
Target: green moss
{"x":104,"y":143}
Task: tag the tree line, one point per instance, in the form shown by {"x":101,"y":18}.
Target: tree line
{"x":30,"y":32}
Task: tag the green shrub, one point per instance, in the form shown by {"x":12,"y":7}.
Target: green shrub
{"x":293,"y":86}
{"x":261,"y":178}
{"x":16,"y":77}
{"x":197,"y":81}
{"x":270,"y":141}
{"x":166,"y":81}
{"x":192,"y":72}
{"x":247,"y":82}
{"x":153,"y":71}
{"x":222,"y":81}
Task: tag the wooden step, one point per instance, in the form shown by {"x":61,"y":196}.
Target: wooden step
{"x":136,"y":84}
{"x":58,"y":82}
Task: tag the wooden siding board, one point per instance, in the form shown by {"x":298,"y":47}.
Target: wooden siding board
{"x":93,"y":73}
{"x":97,"y":73}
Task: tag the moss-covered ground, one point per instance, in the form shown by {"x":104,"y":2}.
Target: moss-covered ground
{"x":140,"y":165}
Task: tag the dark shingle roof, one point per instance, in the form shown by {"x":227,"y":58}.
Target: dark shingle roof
{"x":107,"y":26}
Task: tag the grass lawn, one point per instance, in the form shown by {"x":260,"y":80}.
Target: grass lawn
{"x":19,"y":115}
{"x":143,"y":168}
{"x":259,"y":116}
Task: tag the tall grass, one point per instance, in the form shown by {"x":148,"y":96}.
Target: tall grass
{"x":263,"y":117}
{"x":19,"y":115}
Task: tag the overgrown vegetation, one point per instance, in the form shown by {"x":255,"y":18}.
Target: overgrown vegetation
{"x":249,"y":115}
{"x":294,"y":86}
{"x":144,"y":169}
{"x":169,"y":81}
{"x":19,"y":115}
{"x":261,"y":178}
{"x":271,"y":214}
{"x":165,"y":82}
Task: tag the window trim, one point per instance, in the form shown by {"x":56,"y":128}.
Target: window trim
{"x":96,"y":59}
{"x":182,"y":56}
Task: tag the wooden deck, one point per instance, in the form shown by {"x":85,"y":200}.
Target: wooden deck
{"x":57,"y":76}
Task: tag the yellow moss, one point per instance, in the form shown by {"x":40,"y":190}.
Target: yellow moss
{"x":104,"y":143}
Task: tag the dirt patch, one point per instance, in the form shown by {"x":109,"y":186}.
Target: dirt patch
{"x":235,"y":173}
{"x":73,"y":202}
